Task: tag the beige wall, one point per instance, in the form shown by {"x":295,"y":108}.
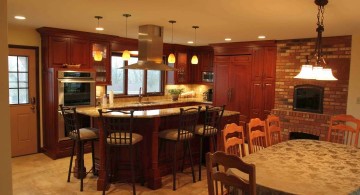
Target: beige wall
{"x":5,"y":145}
{"x":353,"y":105}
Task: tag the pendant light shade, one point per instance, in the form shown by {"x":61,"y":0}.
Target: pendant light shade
{"x":98,"y":27}
{"x":171,"y":58}
{"x":194,"y":59}
{"x":319,"y":71}
{"x":126,"y":54}
{"x":97,"y":55}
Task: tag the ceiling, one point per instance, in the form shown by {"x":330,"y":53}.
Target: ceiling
{"x":241,"y":20}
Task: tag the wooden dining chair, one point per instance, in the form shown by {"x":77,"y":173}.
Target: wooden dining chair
{"x":257,"y":135}
{"x":344,"y":129}
{"x":273,"y":129}
{"x":234,"y":140}
{"x":220,"y":182}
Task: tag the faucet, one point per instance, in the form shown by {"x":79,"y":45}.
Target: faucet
{"x":140,"y":95}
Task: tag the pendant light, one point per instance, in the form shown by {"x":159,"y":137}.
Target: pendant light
{"x":171,"y":58}
{"x":126,"y":53}
{"x":194,"y":59}
{"x":97,"y":51}
{"x":319,"y":71}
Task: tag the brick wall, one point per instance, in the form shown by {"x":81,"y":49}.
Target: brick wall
{"x":291,"y":54}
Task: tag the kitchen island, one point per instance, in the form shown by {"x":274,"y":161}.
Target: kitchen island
{"x":149,"y":120}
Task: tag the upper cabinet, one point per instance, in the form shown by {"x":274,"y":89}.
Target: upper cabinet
{"x":100,"y":61}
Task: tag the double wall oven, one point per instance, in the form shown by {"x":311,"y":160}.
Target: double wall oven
{"x":75,"y":88}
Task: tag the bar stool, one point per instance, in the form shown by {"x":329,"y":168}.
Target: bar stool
{"x":183,"y":134}
{"x":118,"y":132}
{"x":209,"y":129}
{"x":79,"y":136}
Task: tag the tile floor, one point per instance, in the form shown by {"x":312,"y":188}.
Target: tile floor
{"x":38,"y":174}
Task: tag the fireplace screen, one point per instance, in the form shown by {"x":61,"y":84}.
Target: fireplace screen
{"x":308,"y":98}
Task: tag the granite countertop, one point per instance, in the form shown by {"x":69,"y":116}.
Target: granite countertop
{"x":149,"y":113}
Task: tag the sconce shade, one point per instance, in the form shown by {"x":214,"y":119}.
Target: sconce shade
{"x":194,"y":60}
{"x":171,"y":58}
{"x":126,"y":55}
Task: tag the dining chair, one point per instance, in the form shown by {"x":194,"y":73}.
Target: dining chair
{"x":188,"y":119}
{"x":118,"y":132}
{"x":209,"y":128}
{"x":273,"y":129}
{"x":234,"y":140}
{"x":79,"y":135}
{"x":257,"y":135}
{"x":344,"y":129}
{"x":221,"y":182}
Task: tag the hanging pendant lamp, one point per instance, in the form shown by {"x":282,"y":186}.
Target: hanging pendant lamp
{"x":97,"y":51}
{"x":194,"y":59}
{"x":126,"y":54}
{"x":171,"y":58}
{"x":319,"y":71}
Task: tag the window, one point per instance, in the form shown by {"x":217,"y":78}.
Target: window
{"x":128,"y":82}
{"x":18,"y":80}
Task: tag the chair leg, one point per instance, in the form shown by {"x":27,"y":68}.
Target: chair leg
{"x":142,"y":178}
{"x":132,"y":169}
{"x":81,"y":174}
{"x":107,"y":165}
{"x":183,"y":158}
{"x":200,"y":159}
{"x":191,"y":161}
{"x":71,"y":160}
{"x":174,"y":168}
{"x":93,"y":157}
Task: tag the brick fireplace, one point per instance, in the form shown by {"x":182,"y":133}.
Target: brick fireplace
{"x":291,"y":54}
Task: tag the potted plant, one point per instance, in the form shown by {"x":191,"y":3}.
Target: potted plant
{"x":175,"y":93}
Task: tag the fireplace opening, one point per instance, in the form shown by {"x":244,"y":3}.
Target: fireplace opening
{"x":308,"y":98}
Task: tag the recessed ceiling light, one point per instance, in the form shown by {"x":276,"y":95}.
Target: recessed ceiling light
{"x":227,"y":39}
{"x":190,"y":42}
{"x":99,"y":28}
{"x":261,"y":37}
{"x":20,"y":17}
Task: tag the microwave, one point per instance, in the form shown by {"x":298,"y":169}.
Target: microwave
{"x":207,"y":77}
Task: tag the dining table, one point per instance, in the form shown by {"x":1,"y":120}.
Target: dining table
{"x":305,"y":166}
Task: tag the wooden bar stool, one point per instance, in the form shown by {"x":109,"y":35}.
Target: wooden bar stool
{"x":79,"y":136}
{"x":118,"y":132}
{"x":209,"y":129}
{"x":183,"y":134}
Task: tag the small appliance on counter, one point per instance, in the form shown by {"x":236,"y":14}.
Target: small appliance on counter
{"x":207,"y":96}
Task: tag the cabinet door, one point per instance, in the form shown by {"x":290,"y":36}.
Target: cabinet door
{"x":221,"y":83}
{"x":59,"y":49}
{"x":103,"y":67}
{"x":258,"y":65}
{"x":181,"y":65}
{"x":268,"y":98}
{"x":256,"y":104}
{"x":269,"y":66}
{"x":239,"y":87}
{"x":80,"y":52}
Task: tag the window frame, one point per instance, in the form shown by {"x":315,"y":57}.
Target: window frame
{"x":144,"y":88}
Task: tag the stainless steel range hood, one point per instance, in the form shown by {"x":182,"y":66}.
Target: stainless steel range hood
{"x":150,"y":49}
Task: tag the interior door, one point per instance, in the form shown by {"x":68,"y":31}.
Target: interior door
{"x":22,"y":100}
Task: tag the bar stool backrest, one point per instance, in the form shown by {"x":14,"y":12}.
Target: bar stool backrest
{"x":188,"y":119}
{"x":117,"y":129}
{"x":71,"y":122}
{"x":212,"y":119}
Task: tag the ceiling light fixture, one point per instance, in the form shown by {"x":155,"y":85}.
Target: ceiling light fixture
{"x":99,"y":28}
{"x":227,"y":39}
{"x":194,"y":59}
{"x":171,"y":58}
{"x":319,"y":71}
{"x":20,"y":17}
{"x":126,"y":53}
{"x":261,"y":37}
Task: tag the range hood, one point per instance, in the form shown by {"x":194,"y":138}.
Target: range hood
{"x":150,"y":49}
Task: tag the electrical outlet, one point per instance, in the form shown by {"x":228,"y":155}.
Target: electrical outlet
{"x":358,"y":100}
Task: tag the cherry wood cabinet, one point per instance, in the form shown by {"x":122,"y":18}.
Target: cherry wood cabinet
{"x":263,"y":82}
{"x":205,"y":55}
{"x":245,"y":77}
{"x":181,"y":76}
{"x":103,"y":67}
{"x":232,"y":82}
{"x":66,"y":50}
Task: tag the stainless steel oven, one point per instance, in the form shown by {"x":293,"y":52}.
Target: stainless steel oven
{"x":76,"y":88}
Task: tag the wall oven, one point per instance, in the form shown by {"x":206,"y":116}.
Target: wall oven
{"x":76,"y":88}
